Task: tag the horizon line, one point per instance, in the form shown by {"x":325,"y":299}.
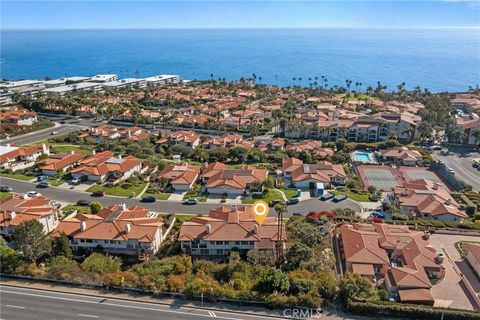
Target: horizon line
{"x":239,"y":28}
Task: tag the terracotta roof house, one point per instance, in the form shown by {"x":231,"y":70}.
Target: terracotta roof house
{"x":182,"y":137}
{"x":134,"y":134}
{"x":312,"y":146}
{"x":473,"y":256}
{"x":181,"y":177}
{"x":19,"y":208}
{"x":469,"y":126}
{"x":21,"y":117}
{"x":104,"y":166}
{"x":224,"y":141}
{"x":306,"y":176}
{"x":16,"y":158}
{"x":402,"y":155}
{"x":219,"y":179}
{"x":106,"y":131}
{"x":400,"y":258}
{"x":133,"y":231}
{"x":425,"y":199}
{"x":225,"y":228}
{"x":61,"y":162}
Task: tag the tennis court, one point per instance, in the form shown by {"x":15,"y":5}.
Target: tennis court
{"x":416,"y":174}
{"x":381,"y":178}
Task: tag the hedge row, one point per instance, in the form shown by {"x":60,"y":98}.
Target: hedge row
{"x":437,"y":224}
{"x":409,"y":311}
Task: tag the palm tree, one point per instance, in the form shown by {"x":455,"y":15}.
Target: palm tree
{"x":294,"y":79}
{"x":409,"y":132}
{"x":300,"y":81}
{"x":281,"y":209}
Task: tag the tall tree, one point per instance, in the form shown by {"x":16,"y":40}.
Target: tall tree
{"x":31,"y":241}
{"x":61,"y":246}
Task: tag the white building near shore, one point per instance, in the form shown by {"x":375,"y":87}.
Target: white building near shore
{"x":163,"y":79}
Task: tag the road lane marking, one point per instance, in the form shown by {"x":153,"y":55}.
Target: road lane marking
{"x":87,"y":315}
{"x":132,"y":307}
{"x":12,"y":306}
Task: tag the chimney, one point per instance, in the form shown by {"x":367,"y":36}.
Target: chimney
{"x":128,"y":228}
{"x":255,"y":228}
{"x":426,"y":235}
{"x":404,"y":192}
{"x":119,"y":156}
{"x":9,"y":145}
{"x":12,"y":215}
{"x":94,"y":152}
{"x":447,"y":202}
{"x":209,"y":228}
{"x":435,"y":186}
{"x":123,"y":206}
{"x":83,"y":226}
{"x":72,"y":152}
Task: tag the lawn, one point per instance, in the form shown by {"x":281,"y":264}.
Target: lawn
{"x":17,"y":176}
{"x":289,"y":193}
{"x":80,"y":209}
{"x":5,"y":195}
{"x":352,"y":195}
{"x":67,"y":148}
{"x":55,"y":182}
{"x":269,"y":196}
{"x":159,"y":196}
{"x":122,"y":190}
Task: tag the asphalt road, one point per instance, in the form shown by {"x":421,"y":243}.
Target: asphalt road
{"x":43,"y":134}
{"x":22,"y":303}
{"x":461,"y":161}
{"x":72,"y":196}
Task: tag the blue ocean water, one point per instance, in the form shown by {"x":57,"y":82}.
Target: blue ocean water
{"x":438,"y":59}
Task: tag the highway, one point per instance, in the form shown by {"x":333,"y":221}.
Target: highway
{"x":43,"y":134}
{"x":461,"y":161}
{"x":25,"y":303}
{"x":72,"y":196}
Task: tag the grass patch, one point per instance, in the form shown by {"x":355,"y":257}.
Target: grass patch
{"x":67,"y":148}
{"x":122,"y":189}
{"x":5,"y":195}
{"x":181,"y":217}
{"x":360,"y":197}
{"x":159,"y":196}
{"x":17,"y":176}
{"x":79,"y":209}
{"x":267,"y":197}
{"x":55,"y":182}
{"x":289,"y":193}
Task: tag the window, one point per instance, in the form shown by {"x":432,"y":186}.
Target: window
{"x":204,"y":251}
{"x":237,"y":243}
{"x":89,"y":240}
{"x":219,"y":251}
{"x":219,"y":243}
{"x":252,"y":243}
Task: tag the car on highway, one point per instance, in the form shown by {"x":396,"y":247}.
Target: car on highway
{"x":149,"y":199}
{"x":326,"y":196}
{"x":53,"y":133}
{"x":191,"y":201}
{"x":83,"y":202}
{"x":293,"y":201}
{"x":43,"y":185}
{"x":98,"y":193}
{"x":5,"y":188}
{"x":297,"y":214}
{"x":33,"y":193}
{"x":339,"y":198}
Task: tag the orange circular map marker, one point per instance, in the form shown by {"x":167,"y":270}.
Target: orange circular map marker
{"x":260,"y":211}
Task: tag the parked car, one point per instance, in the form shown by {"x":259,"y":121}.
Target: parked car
{"x":33,"y":194}
{"x":42,"y":178}
{"x":292,"y":201}
{"x":43,"y":185}
{"x":149,"y":199}
{"x":56,"y":205}
{"x":190,"y":201}
{"x":5,"y":188}
{"x":326,"y":196}
{"x":83,"y":202}
{"x":98,"y":193}
{"x":377,"y":214}
{"x":273,"y":203}
{"x":298,"y":214}
{"x":76,"y":181}
{"x":339,"y":198}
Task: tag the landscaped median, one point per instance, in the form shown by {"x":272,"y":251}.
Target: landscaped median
{"x":124,"y":189}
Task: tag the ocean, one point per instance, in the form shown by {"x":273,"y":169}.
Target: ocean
{"x":437,"y":59}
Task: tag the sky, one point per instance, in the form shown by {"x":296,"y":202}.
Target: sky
{"x":90,"y":14}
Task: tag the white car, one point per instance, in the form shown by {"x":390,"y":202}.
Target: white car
{"x":33,"y":194}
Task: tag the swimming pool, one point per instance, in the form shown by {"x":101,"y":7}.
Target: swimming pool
{"x":363,"y":157}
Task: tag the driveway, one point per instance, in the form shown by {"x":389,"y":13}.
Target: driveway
{"x":450,"y":292}
{"x":460,"y":160}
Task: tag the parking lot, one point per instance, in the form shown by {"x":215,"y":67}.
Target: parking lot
{"x":450,"y":292}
